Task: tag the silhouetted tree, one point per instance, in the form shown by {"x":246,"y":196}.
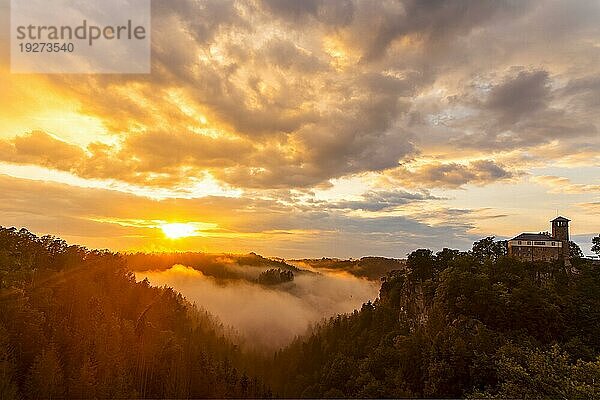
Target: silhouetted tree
{"x":421,"y":263}
{"x":275,"y":276}
{"x":75,"y":323}
{"x":46,"y":379}
{"x":8,"y":386}
{"x":453,"y":325}
{"x":575,"y":250}
{"x":489,"y":249}
{"x":596,"y":244}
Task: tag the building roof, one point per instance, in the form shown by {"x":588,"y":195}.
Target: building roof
{"x":533,"y":236}
{"x":560,"y":219}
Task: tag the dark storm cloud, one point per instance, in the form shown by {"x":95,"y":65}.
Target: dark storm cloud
{"x":523,"y":94}
{"x":336,"y":13}
{"x":204,"y":19}
{"x":524,"y":111}
{"x":374,"y":25}
{"x":432,"y":20}
{"x":358,"y":136}
{"x":300,"y":92}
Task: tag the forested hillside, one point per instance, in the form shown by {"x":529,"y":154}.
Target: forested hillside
{"x":215,"y":265}
{"x":74,"y":323}
{"x":455,"y":324}
{"x":365,"y":267}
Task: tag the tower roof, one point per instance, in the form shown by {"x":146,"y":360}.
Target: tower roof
{"x":560,"y":219}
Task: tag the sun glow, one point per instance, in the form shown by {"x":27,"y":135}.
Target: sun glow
{"x":179,"y":230}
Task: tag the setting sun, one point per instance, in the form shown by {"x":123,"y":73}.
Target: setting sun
{"x":178,"y":230}
{"x":343,"y":199}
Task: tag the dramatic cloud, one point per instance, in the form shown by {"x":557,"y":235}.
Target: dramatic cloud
{"x":449,"y":175}
{"x":103,"y":218}
{"x":140,"y":159}
{"x":394,"y":109}
{"x":526,"y":93}
{"x":286,"y":94}
{"x":521,"y":112}
{"x":39,"y":148}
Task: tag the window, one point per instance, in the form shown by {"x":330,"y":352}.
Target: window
{"x":553,"y":243}
{"x":519,"y":242}
{"x":528,"y":242}
{"x":539,"y":243}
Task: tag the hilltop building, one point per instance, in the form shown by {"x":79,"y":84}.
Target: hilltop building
{"x":543,"y":246}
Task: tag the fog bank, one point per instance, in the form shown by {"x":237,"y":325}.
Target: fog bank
{"x":268,"y":316}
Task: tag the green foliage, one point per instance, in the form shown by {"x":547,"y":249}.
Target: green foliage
{"x":542,"y":374}
{"x":8,"y":386}
{"x":74,"y":323}
{"x":455,"y":324}
{"x":489,"y":249}
{"x":275,"y":276}
{"x":575,"y":250}
{"x":421,"y":263}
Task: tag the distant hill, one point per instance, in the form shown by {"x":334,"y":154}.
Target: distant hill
{"x":220,"y":266}
{"x":367,"y":267}
{"x":75,"y":323}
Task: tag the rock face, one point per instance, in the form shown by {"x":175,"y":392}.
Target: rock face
{"x":411,"y":299}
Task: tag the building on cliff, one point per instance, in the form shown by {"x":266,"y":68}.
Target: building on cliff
{"x":543,"y":246}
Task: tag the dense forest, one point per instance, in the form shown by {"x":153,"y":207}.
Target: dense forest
{"x":75,"y":323}
{"x":215,"y":265}
{"x":458,"y":324}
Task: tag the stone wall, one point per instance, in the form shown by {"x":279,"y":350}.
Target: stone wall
{"x":533,"y":253}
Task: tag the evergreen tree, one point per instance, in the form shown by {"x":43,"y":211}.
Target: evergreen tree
{"x":46,"y":380}
{"x":596,"y":244}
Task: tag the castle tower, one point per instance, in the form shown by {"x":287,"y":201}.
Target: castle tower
{"x":560,"y":231}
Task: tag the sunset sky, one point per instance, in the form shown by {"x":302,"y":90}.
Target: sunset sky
{"x":316,"y":128}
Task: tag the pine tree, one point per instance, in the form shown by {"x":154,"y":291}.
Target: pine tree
{"x":8,"y":387}
{"x":46,"y":380}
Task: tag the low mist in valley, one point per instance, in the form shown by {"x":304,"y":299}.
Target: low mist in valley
{"x":76,"y":323}
{"x":267,"y":316}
